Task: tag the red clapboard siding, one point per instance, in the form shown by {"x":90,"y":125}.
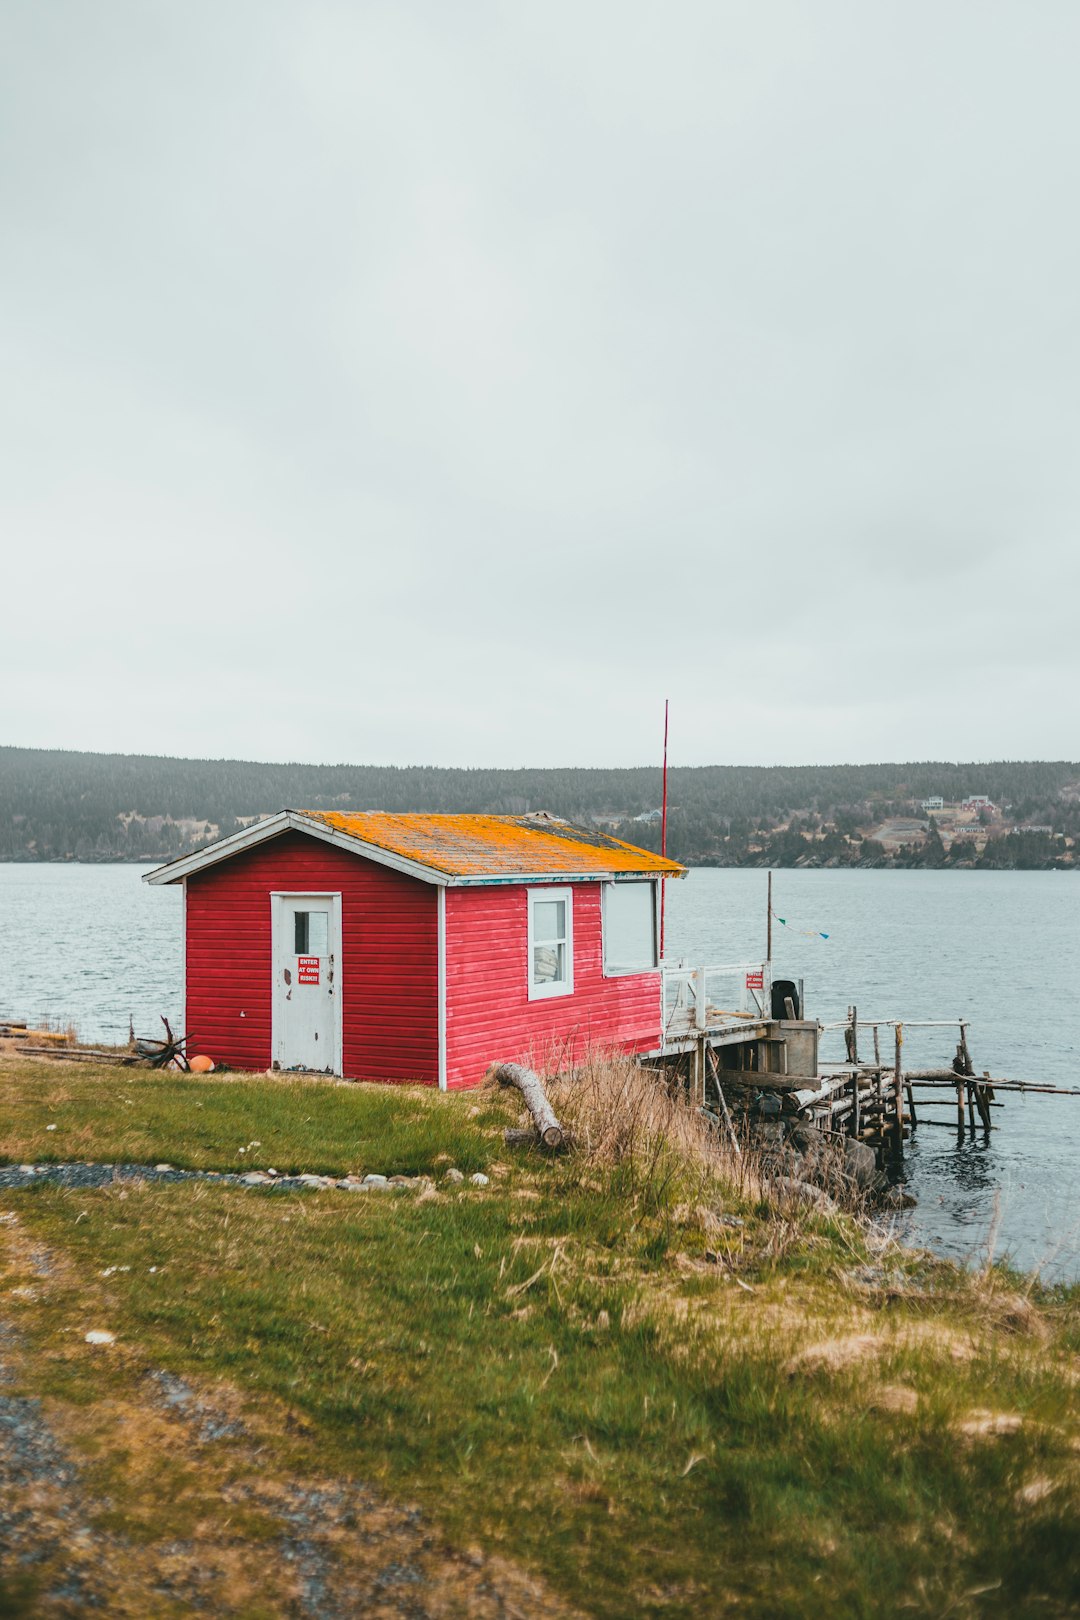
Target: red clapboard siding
{"x":389,"y":951}
{"x":489,"y":1016}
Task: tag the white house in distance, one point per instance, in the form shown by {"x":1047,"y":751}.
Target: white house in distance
{"x":935,"y":802}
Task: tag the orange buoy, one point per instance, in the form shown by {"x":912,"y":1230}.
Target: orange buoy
{"x":201,"y":1065}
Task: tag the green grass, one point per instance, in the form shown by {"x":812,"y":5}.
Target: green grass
{"x":554,"y":1372}
{"x":124,"y":1116}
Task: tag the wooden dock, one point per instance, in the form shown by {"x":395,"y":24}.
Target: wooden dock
{"x":724,"y":1040}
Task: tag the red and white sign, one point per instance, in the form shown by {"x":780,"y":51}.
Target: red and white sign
{"x":307,"y":969}
{"x":755,"y":979}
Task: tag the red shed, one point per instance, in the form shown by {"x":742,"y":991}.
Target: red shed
{"x":418,"y":947}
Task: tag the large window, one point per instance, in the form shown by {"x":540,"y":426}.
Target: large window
{"x":551,"y":943}
{"x":629,"y":927}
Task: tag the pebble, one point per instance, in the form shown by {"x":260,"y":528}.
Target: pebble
{"x":375,"y":1181}
{"x":479,"y":1179}
{"x":453,"y":1175}
{"x":100,"y":1336}
{"x":255,"y":1178}
{"x":163,"y":1167}
{"x":313,"y":1181}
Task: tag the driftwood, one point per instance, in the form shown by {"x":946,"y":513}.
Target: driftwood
{"x":549,"y":1132}
{"x":77,"y":1054}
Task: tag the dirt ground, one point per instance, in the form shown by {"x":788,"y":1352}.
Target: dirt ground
{"x":149,"y":1496}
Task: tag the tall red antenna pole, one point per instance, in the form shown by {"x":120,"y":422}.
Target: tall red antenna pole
{"x":663,"y":834}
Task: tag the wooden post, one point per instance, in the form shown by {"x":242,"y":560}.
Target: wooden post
{"x":898,"y":1089}
{"x":768,"y":926}
{"x":960,"y":1106}
{"x":964,"y":1053}
{"x":697,"y":1074}
{"x":701,"y":1016}
{"x":911,"y":1104}
{"x":971,"y":1105}
{"x":856,"y":1109}
{"x":732,"y":1138}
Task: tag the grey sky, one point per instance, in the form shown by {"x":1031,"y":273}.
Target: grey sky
{"x":449,"y":383}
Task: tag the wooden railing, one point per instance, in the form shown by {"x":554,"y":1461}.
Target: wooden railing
{"x":700,"y":998}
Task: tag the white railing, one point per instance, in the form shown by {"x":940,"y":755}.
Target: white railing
{"x":698,"y":998}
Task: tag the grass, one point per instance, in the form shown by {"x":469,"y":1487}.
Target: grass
{"x":55,"y":1112}
{"x":608,"y":1367}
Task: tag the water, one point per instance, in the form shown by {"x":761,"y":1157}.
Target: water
{"x":1001,"y":949}
{"x":92,"y":945}
{"x":89,"y":946}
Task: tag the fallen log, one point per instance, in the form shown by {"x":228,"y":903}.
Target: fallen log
{"x":548,"y":1129}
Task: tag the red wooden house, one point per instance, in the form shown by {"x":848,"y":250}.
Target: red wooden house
{"x":418,"y":947}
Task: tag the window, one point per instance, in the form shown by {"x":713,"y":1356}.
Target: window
{"x":311,"y":932}
{"x":629,"y":927}
{"x":551,"y":943}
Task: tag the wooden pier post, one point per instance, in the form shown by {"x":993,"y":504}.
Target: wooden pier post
{"x":724,"y":1114}
{"x":960,"y":1106}
{"x":898,"y":1089}
{"x":852,"y":1035}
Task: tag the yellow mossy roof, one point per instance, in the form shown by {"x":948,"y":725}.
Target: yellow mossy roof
{"x":497,"y":846}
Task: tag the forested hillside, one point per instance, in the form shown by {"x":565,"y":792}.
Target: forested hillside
{"x":57,"y":805}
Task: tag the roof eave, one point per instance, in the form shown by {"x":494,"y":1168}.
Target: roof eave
{"x":289,"y":821}
{"x":485,"y":880}
{"x":260,"y":832}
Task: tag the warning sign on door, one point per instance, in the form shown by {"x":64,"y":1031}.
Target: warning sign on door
{"x":307,"y":969}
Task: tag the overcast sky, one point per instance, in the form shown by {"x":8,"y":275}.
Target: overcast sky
{"x":450,"y":383}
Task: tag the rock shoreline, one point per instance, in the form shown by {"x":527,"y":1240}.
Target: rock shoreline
{"x":805,"y":1162}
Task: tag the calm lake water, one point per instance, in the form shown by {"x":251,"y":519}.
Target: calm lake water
{"x":93,"y":945}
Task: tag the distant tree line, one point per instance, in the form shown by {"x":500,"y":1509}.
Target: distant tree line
{"x":59,"y":805}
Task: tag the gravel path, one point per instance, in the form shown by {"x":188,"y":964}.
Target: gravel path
{"x":330,"y":1548}
{"x":86,"y":1174}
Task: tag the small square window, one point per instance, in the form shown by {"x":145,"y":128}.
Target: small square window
{"x":311,"y":932}
{"x":551,"y":943}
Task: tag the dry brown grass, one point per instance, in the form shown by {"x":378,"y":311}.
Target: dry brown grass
{"x":626,"y":1116}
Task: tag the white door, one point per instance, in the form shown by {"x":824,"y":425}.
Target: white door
{"x":307,"y":983}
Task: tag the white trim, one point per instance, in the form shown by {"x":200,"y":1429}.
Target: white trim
{"x":293,"y":821}
{"x":272,"y":827}
{"x":336,"y":930}
{"x":183,"y":958}
{"x":442,"y":987}
{"x":557,"y":987}
{"x":640,"y":876}
{"x":184,"y":865}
